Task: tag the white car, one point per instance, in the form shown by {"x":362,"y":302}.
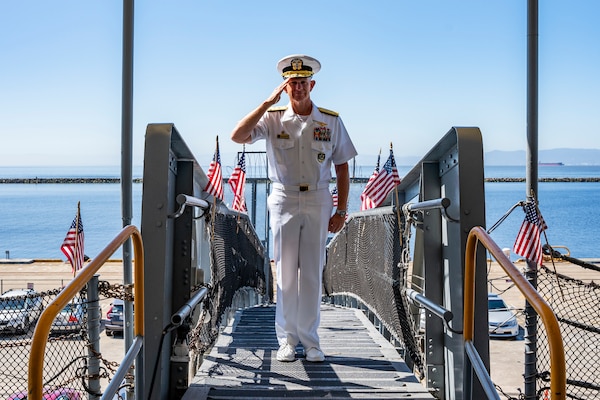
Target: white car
{"x":19,"y":308}
{"x":71,"y":318}
{"x":502,"y":319}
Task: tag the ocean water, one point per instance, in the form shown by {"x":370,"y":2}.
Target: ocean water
{"x":36,"y":217}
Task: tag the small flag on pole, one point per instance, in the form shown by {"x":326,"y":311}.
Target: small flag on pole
{"x":215,"y":175}
{"x":72,"y":246}
{"x":375,"y":193}
{"x":528,"y":243}
{"x":237,"y":182}
{"x":365,"y":202}
{"x":334,"y":196}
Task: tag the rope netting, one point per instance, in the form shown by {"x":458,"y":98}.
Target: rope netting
{"x":365,"y":262}
{"x":577,"y":307}
{"x":237,"y":262}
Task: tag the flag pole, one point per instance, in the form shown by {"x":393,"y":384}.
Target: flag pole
{"x":397,"y":207}
{"x":242,"y":199}
{"x":76,"y":253}
{"x":214,"y":213}
{"x":214,"y":208}
{"x":539,"y":213}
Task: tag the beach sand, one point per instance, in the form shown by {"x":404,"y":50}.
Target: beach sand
{"x":44,"y":275}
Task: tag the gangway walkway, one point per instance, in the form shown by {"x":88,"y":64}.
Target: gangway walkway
{"x":360,"y":363}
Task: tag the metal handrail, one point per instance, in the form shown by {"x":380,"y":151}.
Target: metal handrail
{"x":186,"y":200}
{"x":442,"y":203}
{"x":436,"y":309}
{"x":558,"y":379}
{"x":42,"y":329}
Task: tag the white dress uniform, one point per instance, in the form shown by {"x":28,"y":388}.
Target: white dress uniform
{"x":301,"y":154}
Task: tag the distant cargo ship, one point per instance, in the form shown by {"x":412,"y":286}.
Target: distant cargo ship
{"x":550,"y":164}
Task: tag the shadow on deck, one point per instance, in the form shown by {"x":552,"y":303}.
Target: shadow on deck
{"x":359,"y":364}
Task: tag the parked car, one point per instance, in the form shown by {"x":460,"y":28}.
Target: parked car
{"x":71,"y":318}
{"x":502,"y":319}
{"x":19,"y":308}
{"x":114,"y":318}
{"x":56,"y":394}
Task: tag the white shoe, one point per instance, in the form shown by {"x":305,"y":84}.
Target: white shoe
{"x":286,"y":353}
{"x":315,"y":355}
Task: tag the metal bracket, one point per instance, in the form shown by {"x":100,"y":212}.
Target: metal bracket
{"x":441,"y":203}
{"x":435,"y":308}
{"x":185,"y":200}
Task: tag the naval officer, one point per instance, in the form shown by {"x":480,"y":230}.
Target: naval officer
{"x":302,"y":142}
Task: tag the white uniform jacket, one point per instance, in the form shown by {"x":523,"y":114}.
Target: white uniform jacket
{"x":301,"y":153}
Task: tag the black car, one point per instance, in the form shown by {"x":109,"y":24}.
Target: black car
{"x":114,"y":318}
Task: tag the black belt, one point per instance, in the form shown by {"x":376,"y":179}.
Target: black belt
{"x":300,"y":188}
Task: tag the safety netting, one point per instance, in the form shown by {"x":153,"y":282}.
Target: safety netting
{"x":364,"y":261}
{"x":577,"y":307}
{"x":237,"y":263}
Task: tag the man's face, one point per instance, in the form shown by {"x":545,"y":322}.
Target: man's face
{"x":299,"y":88}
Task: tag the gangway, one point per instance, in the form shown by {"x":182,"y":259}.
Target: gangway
{"x":206,"y":269}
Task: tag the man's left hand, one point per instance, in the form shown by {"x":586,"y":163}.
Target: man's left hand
{"x":336,"y":223}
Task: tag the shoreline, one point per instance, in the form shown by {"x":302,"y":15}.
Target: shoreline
{"x":352,"y":180}
{"x":65,"y":180}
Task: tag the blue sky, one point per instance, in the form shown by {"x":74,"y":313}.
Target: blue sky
{"x":397,"y":71}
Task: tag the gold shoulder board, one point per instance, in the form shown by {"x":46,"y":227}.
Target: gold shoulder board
{"x":279,"y":108}
{"x":328,"y":112}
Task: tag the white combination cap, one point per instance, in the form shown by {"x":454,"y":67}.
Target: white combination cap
{"x":298,"y":66}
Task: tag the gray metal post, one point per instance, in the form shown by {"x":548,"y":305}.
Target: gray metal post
{"x":432,"y":269}
{"x":93,"y":326}
{"x":532,"y":188}
{"x":126,"y":160}
{"x":254,"y":205}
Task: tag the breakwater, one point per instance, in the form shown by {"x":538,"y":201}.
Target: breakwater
{"x":352,"y":180}
{"x":65,"y":180}
{"x":586,"y":179}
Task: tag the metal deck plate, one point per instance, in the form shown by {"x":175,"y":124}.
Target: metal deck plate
{"x":359,"y":363}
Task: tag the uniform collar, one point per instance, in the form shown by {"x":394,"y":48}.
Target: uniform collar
{"x":290,"y":115}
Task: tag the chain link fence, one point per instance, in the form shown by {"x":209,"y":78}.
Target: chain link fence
{"x":68,"y":350}
{"x":577,"y":307}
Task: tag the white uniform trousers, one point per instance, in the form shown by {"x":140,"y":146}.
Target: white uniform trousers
{"x":299,"y":222}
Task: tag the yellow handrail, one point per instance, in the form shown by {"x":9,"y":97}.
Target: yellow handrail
{"x":42,"y":329}
{"x":558,"y":379}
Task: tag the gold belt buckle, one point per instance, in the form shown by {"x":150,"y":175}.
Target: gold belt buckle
{"x":303,"y":188}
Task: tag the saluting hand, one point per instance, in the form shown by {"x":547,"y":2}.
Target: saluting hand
{"x":243,"y":130}
{"x":276,"y":95}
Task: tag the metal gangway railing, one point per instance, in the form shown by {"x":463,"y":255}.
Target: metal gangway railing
{"x":558,"y":380}
{"x":42,"y":329}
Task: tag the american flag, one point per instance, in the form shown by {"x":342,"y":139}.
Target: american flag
{"x":382,"y":184}
{"x":72,"y":246}
{"x":215,"y":175}
{"x":237,"y":182}
{"x":334,"y":196}
{"x":365,"y":202}
{"x":528,"y":243}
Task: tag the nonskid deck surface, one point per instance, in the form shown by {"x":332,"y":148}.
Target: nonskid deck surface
{"x":359,"y":364}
